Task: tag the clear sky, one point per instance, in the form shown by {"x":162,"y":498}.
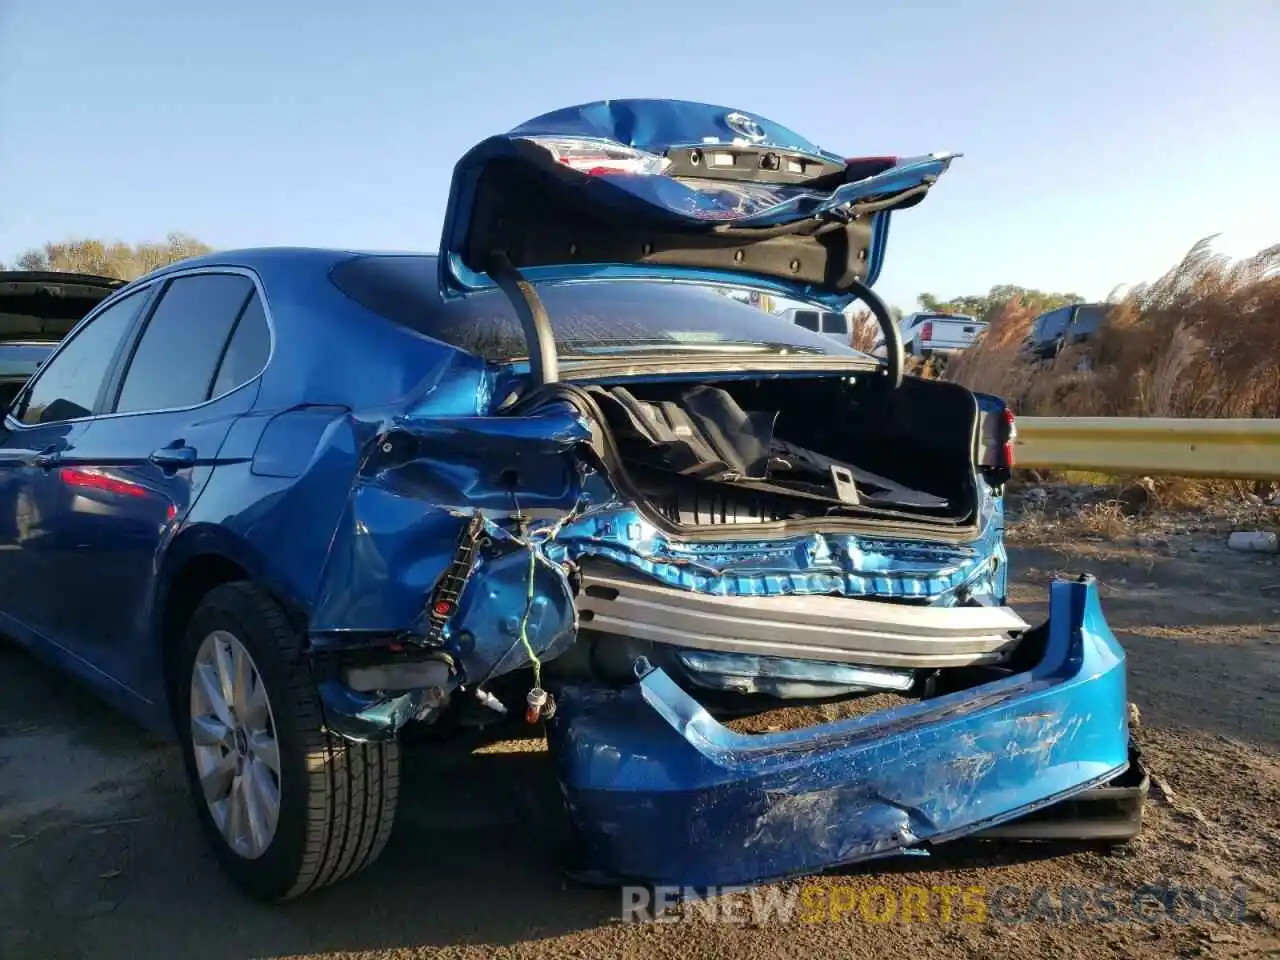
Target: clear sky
{"x":1101,"y":139}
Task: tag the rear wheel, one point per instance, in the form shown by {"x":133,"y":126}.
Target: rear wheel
{"x":287,"y":806}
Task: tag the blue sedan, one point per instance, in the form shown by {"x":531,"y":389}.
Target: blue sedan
{"x":301,"y":500}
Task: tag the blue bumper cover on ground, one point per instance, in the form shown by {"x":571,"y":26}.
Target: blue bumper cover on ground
{"x":658,"y":791}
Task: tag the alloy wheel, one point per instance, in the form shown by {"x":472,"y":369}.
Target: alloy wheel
{"x":233,"y":737}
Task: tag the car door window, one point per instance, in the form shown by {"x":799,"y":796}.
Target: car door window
{"x":67,"y":388}
{"x":834,"y":323}
{"x":807,"y":319}
{"x":247,"y":351}
{"x":174,"y":362}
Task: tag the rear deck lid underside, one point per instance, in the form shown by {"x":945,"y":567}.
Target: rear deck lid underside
{"x":679,"y":190}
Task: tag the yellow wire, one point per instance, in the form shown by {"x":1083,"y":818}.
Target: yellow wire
{"x":524,"y":621}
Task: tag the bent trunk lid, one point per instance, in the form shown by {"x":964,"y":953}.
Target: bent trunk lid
{"x":679,"y":190}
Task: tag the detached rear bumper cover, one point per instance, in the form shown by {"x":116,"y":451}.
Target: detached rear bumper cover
{"x":658,"y":791}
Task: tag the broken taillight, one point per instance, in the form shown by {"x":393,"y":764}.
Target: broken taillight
{"x":599,"y":158}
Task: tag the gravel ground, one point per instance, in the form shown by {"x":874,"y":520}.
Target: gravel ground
{"x":100,"y":857}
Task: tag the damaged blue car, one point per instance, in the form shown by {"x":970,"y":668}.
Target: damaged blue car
{"x":298,"y":501}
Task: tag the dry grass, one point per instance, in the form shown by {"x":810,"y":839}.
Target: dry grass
{"x":1106,"y":520}
{"x":864,"y":331}
{"x":1202,"y":341}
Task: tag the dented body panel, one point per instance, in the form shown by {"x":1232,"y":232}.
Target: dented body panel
{"x":658,"y":791}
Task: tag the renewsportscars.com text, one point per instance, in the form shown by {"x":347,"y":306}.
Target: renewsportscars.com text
{"x":878,"y":903}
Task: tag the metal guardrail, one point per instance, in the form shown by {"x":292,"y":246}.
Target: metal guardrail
{"x":1217,"y":449}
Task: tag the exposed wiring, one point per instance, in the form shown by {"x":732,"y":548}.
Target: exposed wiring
{"x":540,"y":704}
{"x":524,"y":620}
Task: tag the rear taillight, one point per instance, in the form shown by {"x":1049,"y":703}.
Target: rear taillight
{"x":598,"y":158}
{"x":926,"y":330}
{"x":1010,"y":435}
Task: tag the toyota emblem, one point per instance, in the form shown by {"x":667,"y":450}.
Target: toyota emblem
{"x":744,"y":127}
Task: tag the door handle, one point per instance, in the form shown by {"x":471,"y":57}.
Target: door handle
{"x":48,"y":458}
{"x":174,"y":457}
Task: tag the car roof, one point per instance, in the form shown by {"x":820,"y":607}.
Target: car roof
{"x":274,"y":257}
{"x":275,"y":265}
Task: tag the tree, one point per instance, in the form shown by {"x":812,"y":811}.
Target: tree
{"x":983,"y":306}
{"x":115,"y":259}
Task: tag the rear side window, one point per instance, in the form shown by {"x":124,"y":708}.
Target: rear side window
{"x":68,"y":386}
{"x":807,"y":319}
{"x":835,"y":323}
{"x":247,"y":351}
{"x":174,"y":363}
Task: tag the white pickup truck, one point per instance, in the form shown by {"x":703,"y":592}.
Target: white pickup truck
{"x":924,"y":334}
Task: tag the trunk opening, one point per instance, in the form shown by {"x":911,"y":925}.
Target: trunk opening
{"x":771,"y":451}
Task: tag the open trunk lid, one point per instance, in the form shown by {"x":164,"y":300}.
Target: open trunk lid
{"x":678,"y":190}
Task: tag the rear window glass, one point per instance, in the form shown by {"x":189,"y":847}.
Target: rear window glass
{"x":593,"y":318}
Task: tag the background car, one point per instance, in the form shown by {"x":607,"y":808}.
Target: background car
{"x":926,"y":334}
{"x":38,"y":309}
{"x":1072,"y":324}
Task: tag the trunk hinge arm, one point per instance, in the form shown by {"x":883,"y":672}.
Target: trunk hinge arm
{"x":544,"y":364}
{"x":893,"y":352}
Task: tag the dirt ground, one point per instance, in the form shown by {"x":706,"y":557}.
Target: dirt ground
{"x":100,"y":857}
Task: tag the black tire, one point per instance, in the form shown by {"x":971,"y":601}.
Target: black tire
{"x":337,"y":798}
